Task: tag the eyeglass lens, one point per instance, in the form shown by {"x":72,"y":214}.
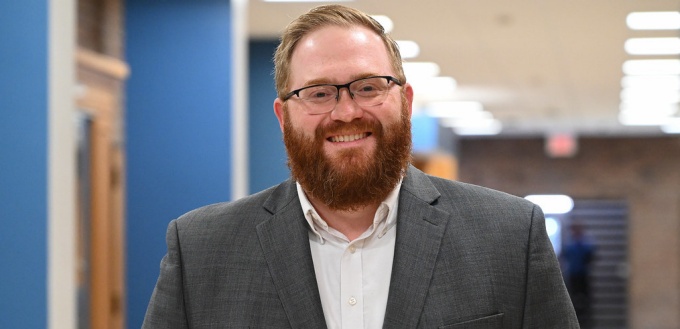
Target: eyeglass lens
{"x":365,"y":92}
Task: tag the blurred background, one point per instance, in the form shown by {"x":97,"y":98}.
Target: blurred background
{"x":118,"y":116}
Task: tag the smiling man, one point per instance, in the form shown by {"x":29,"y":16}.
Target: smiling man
{"x":358,"y":238}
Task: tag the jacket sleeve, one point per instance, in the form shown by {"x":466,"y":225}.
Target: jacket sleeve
{"x":547,"y":303}
{"x":166,"y":308}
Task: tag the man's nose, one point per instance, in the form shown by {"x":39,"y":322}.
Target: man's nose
{"x":346,"y":108}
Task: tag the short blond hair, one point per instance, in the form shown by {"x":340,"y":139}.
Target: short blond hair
{"x":319,"y":17}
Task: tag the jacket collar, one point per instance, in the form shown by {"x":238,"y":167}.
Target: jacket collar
{"x":285,"y":243}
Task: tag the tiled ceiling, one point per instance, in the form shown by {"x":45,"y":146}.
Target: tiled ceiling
{"x":539,"y":66}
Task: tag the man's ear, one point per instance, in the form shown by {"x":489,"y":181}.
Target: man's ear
{"x":278,"y":111}
{"x":408,"y":91}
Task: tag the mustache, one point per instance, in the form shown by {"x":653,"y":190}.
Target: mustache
{"x":339,"y":127}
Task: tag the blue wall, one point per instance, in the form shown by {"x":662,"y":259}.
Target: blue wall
{"x":267,"y":154}
{"x":23,"y":164}
{"x":178,"y":114}
{"x":425,"y":130}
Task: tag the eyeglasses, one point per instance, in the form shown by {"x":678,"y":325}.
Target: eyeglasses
{"x":322,"y":98}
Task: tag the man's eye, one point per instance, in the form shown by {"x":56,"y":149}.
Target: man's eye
{"x":317,"y":94}
{"x":320,"y":94}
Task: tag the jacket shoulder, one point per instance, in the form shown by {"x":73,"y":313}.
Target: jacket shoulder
{"x":455,"y":190}
{"x":245,"y":212}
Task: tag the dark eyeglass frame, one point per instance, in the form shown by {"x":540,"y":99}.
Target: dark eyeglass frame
{"x":296,"y":92}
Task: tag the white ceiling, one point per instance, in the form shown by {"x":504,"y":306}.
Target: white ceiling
{"x":539,"y":66}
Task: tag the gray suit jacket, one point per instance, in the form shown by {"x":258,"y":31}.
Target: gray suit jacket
{"x":465,"y":257}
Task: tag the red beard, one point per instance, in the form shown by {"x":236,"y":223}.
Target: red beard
{"x":354,"y":178}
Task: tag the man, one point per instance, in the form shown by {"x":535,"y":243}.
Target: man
{"x":578,"y":254}
{"x":357,"y":238}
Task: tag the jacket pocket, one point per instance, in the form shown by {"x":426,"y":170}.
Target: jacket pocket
{"x":488,"y":322}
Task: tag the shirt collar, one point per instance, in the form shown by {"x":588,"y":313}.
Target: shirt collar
{"x":384,"y":219}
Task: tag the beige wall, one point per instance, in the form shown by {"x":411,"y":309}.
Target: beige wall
{"x":645,"y":172}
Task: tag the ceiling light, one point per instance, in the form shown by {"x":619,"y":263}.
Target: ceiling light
{"x":638,"y":118}
{"x":652,"y":67}
{"x":652,"y":46}
{"x":417,"y":70}
{"x":642,"y":108}
{"x":408,"y":49}
{"x":385,"y":21}
{"x":552,"y":203}
{"x":465,"y":117}
{"x":650,"y":95}
{"x":434,"y":88}
{"x":492,"y":129}
{"x":651,"y":81}
{"x":486,"y":125}
{"x":470,"y":119}
{"x":672,"y":126}
{"x":454,"y":109}
{"x":662,"y":20}
{"x":671,"y":129}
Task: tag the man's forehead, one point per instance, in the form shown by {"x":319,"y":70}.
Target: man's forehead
{"x":352,"y":35}
{"x":352,"y":51}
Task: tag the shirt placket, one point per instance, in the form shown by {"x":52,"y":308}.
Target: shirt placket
{"x":351,"y":287}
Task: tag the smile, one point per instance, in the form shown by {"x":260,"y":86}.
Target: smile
{"x":348,"y":138}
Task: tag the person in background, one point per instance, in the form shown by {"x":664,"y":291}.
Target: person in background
{"x":578,"y":256}
{"x":357,"y":238}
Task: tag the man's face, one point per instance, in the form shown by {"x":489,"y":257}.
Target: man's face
{"x":353,"y":155}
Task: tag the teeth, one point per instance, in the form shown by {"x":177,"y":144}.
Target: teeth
{"x":347,"y":138}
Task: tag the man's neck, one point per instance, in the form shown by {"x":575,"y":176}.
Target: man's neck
{"x":350,"y":223}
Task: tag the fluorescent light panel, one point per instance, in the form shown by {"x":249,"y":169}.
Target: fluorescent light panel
{"x":470,"y":119}
{"x":552,"y":203}
{"x":475,"y":131}
{"x":652,"y":67}
{"x":385,"y":21}
{"x":434,"y":86}
{"x":417,"y":70}
{"x":644,"y":119}
{"x":652,"y":46}
{"x":408,"y":49}
{"x":465,"y":117}
{"x":642,"y":108}
{"x":672,"y":126}
{"x":455,"y":109}
{"x":671,"y":129}
{"x":663,"y":20}
{"x":477,"y":127}
{"x":658,"y":96}
{"x":651,"y":81}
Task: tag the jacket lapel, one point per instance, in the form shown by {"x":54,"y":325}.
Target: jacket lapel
{"x":285,"y":243}
{"x":420,"y":228}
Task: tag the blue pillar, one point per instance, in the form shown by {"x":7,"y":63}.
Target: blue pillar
{"x":267,"y":154}
{"x":177,"y":126}
{"x":23,"y":163}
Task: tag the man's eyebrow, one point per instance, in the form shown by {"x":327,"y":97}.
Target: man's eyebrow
{"x":364,"y":75}
{"x":320,"y":81}
{"x":326,"y":81}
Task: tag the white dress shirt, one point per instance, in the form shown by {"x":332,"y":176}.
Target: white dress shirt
{"x":353,"y":277}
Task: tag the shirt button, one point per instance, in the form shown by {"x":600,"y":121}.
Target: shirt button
{"x":352,"y":301}
{"x":352,"y":248}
